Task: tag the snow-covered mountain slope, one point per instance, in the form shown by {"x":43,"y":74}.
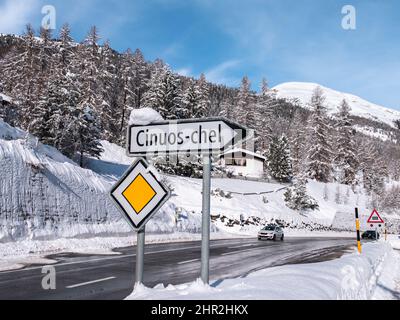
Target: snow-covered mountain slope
{"x":360,"y":107}
{"x":232,"y":198}
{"x":44,"y":195}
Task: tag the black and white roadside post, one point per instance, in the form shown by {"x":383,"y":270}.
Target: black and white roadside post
{"x":207,"y":137}
{"x":358,"y":231}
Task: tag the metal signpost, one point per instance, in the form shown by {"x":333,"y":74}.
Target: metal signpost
{"x":139,"y":195}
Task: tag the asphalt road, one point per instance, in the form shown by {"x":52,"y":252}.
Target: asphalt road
{"x":112,"y":276}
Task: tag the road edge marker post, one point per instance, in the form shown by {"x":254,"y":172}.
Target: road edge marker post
{"x":386,"y":232}
{"x":359,"y":247}
{"x":206,"y":217}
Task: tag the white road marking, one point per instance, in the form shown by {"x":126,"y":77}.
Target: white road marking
{"x":188,"y":261}
{"x":243,"y":246}
{"x":105,"y":259}
{"x":89,"y":282}
{"x":240,"y":251}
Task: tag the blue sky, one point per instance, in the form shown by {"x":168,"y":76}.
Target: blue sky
{"x":283,"y":40}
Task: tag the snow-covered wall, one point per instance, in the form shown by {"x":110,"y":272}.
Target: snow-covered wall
{"x":44,"y":195}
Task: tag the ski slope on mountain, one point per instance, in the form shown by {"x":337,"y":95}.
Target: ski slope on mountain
{"x":359,"y":107}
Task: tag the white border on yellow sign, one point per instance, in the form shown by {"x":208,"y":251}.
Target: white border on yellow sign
{"x":137,"y":221}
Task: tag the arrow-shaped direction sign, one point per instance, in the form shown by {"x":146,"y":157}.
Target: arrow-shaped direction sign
{"x":211,"y":135}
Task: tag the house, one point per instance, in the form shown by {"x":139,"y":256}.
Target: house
{"x":241,"y":162}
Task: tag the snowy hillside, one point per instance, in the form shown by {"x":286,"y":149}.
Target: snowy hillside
{"x":259,"y":202}
{"x":44,"y":195}
{"x":360,"y":107}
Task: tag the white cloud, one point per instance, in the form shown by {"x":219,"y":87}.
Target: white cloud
{"x":186,"y":72}
{"x":15,"y":14}
{"x":220,"y":73}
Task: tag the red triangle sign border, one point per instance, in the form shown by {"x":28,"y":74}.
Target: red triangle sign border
{"x":375,"y":212}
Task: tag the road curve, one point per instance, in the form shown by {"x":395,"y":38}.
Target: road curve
{"x":112,"y":276}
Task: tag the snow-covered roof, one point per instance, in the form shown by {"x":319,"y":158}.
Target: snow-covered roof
{"x":244,"y":152}
{"x":5,"y":98}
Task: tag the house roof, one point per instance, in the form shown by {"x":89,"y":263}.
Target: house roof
{"x":244,"y":153}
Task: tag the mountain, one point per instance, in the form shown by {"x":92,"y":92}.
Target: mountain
{"x":360,"y":107}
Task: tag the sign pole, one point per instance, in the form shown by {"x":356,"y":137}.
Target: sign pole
{"x":205,"y":237}
{"x":385,"y":233}
{"x":358,"y":232}
{"x":140,"y":255}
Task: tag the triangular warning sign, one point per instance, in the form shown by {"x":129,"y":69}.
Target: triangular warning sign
{"x":375,"y":217}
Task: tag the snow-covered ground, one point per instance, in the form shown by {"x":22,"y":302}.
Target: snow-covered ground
{"x":375,"y":274}
{"x":375,"y":133}
{"x":360,"y":107}
{"x":49,"y":204}
{"x":4,"y":97}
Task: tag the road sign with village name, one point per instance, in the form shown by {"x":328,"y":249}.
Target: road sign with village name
{"x":139,"y":194}
{"x":210,"y":135}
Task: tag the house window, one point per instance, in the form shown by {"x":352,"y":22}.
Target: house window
{"x":235,"y":162}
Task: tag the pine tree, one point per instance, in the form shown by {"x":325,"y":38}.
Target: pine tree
{"x":87,"y":142}
{"x":91,"y":93}
{"x":21,"y":70}
{"x":141,"y":76}
{"x":128,"y":91}
{"x":190,"y":101}
{"x":66,"y":53}
{"x":41,"y":125}
{"x":296,"y":197}
{"x":245,"y":110}
{"x":320,"y":153}
{"x":373,"y":168}
{"x":297,"y":144}
{"x":264,"y":107}
{"x":203,"y":106}
{"x":109,"y":110}
{"x":164,"y":94}
{"x":278,"y":159}
{"x":346,"y":159}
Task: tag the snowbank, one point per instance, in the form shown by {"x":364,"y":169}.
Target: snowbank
{"x":44,"y":195}
{"x":144,"y":116}
{"x":353,"y":276}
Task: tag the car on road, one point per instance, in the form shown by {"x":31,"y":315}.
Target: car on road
{"x":371,"y":235}
{"x":271,"y":232}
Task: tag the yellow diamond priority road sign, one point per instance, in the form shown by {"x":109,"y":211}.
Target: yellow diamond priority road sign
{"x":138,"y":194}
